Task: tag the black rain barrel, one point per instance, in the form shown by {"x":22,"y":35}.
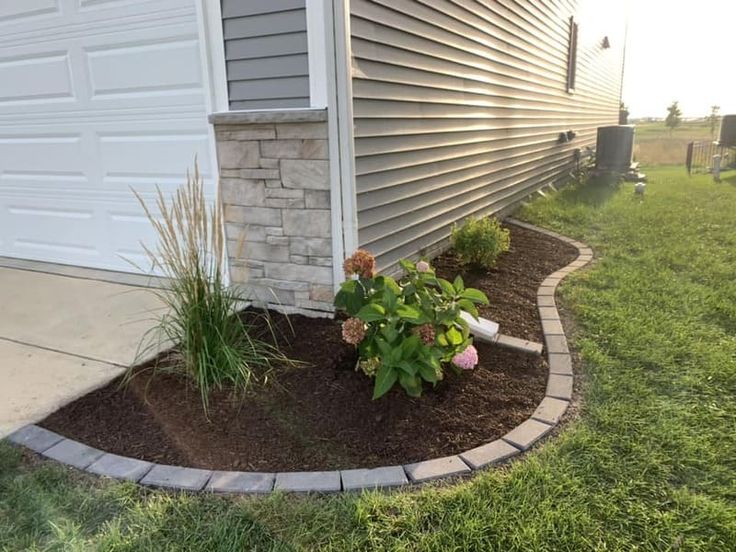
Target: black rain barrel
{"x":614,"y":149}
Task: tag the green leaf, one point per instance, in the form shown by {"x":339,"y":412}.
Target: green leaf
{"x":468,"y":306}
{"x":475,"y":295}
{"x":411,"y":384}
{"x":354,"y":304}
{"x":349,"y":286}
{"x":409,"y":346}
{"x":391,"y":284}
{"x":407,"y":312}
{"x":390,"y":299}
{"x":454,"y":336}
{"x":408,"y":367}
{"x":371,"y":313}
{"x":407,"y":265}
{"x":428,"y":373}
{"x":458,"y":284}
{"x":442,"y":340}
{"x":347,"y":289}
{"x":341,"y":300}
{"x":409,"y":289}
{"x":394,"y":357}
{"x":434,"y":362}
{"x":446,"y":286}
{"x":389,"y":332}
{"x":385,"y":379}
{"x":383,"y":346}
{"x":446,"y":317}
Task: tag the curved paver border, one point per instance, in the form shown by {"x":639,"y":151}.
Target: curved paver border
{"x":521,"y":438}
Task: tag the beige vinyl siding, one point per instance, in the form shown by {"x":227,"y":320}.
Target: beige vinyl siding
{"x":458,"y":106}
{"x":266,"y":53}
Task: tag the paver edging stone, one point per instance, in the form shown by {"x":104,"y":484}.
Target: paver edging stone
{"x":521,"y":438}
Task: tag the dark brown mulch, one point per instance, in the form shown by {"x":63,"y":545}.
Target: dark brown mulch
{"x":322,"y":416}
{"x":512,"y":285}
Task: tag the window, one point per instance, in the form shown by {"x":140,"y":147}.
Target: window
{"x":572,"y":55}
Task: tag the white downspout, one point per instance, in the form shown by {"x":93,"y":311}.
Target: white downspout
{"x":343,"y":65}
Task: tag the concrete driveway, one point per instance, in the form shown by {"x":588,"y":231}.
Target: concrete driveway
{"x":61,"y":337}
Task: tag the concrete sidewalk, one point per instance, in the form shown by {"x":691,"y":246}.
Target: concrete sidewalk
{"x":61,"y":337}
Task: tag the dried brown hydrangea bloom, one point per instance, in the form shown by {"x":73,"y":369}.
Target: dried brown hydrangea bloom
{"x":426,"y":333}
{"x":353,"y":331}
{"x":370,"y":366}
{"x":361,"y":263}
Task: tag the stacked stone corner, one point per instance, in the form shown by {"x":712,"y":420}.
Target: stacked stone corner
{"x":275,"y":190}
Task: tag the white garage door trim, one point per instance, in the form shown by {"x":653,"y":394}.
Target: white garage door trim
{"x":70,"y":146}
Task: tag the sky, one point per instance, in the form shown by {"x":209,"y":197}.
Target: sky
{"x":680,"y":50}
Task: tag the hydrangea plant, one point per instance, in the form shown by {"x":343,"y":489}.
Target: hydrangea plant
{"x":407,"y":331}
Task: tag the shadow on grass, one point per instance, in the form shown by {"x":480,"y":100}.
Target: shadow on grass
{"x":595,"y":192}
{"x":50,"y":507}
{"x":729,"y":178}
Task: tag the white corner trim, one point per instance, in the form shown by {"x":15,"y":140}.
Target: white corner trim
{"x":344,"y":99}
{"x":214,"y":84}
{"x":340,"y":129}
{"x":212,"y":46}
{"x":333,"y":134}
{"x":318,"y":19}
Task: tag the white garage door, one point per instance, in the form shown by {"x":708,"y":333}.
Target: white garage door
{"x":96,"y":97}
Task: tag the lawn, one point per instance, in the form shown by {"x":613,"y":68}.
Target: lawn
{"x":655,"y":144}
{"x":650,"y":463}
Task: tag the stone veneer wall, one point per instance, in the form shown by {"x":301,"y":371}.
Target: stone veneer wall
{"x":275,"y":188}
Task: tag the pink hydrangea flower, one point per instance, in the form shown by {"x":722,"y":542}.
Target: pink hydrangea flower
{"x":466,"y":360}
{"x":422,"y":266}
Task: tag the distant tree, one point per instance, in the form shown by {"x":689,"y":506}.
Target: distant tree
{"x":674,"y":116}
{"x":623,"y":114}
{"x":713,"y":119}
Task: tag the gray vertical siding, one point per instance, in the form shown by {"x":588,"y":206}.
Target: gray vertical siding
{"x":266,"y":53}
{"x":458,"y":106}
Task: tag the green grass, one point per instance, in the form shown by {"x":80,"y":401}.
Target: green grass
{"x":649,"y":465}
{"x":655,"y":144}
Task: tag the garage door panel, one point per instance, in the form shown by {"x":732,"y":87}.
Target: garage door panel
{"x":86,"y":5}
{"x":45,"y":229}
{"x":148,"y":69}
{"x":152,"y":155}
{"x":37,"y":15}
{"x":92,"y":229}
{"x":16,"y":12}
{"x":105,"y":96}
{"x":26,"y":155}
{"x":44,"y":77}
{"x":128,"y":229}
{"x":99,"y":61}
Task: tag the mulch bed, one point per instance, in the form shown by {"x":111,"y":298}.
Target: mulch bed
{"x":321,"y":416}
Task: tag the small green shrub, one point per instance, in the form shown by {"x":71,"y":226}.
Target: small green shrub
{"x":407,"y":331}
{"x":201,"y":318}
{"x":479,"y":241}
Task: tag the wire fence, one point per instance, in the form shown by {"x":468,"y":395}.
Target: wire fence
{"x":700,"y":156}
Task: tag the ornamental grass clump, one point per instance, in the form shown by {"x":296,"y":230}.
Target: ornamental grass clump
{"x":217,"y":347}
{"x":479,"y":241}
{"x":408,"y":331}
